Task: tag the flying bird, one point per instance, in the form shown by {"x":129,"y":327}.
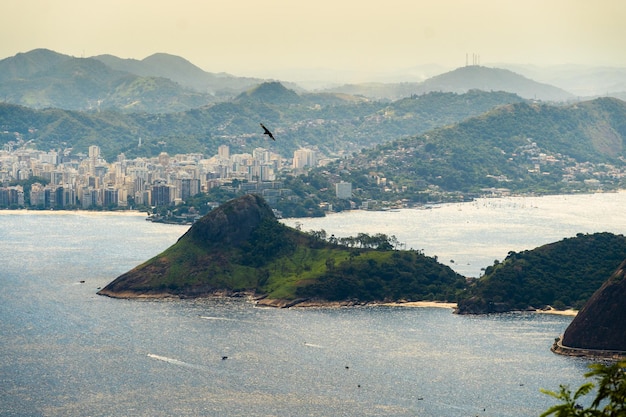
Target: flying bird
{"x":267,"y":132}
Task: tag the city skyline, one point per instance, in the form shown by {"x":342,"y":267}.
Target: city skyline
{"x":91,"y":181}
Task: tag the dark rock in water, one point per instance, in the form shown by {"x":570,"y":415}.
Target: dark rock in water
{"x":601,"y":323}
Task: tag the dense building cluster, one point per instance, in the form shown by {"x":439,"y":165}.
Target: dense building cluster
{"x":87,"y":181}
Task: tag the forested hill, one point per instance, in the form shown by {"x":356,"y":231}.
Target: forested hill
{"x":164,"y":83}
{"x":241,"y":246}
{"x":493,"y":79}
{"x":330,"y":123}
{"x":522,"y":147}
{"x":44,"y":79}
{"x":561,"y":274}
{"x":461,"y":80}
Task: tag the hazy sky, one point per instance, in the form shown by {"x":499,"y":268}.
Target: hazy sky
{"x":256,"y":37}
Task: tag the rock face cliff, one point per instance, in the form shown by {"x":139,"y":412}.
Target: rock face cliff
{"x":601,"y":323}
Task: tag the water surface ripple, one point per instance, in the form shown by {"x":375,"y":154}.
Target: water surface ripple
{"x":64,"y":351}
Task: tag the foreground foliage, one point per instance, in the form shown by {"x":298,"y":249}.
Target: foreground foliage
{"x":610,"y":390}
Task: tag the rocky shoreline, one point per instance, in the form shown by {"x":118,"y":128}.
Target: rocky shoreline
{"x":560,"y":349}
{"x":309,"y":303}
{"x":264,"y":301}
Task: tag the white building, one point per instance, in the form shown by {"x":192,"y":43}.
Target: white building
{"x":303,"y":158}
{"x":223,"y":152}
{"x":343,"y":190}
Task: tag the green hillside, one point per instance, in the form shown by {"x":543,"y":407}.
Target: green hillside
{"x":523,"y":147}
{"x":43,"y":79}
{"x":560,"y":274}
{"x":332,"y":123}
{"x":241,"y":247}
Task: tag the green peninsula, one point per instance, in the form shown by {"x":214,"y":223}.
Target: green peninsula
{"x":241,"y":248}
{"x":561,"y":274}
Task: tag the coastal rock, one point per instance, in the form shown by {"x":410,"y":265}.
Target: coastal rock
{"x":600,"y":324}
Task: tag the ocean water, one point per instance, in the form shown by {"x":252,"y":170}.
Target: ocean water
{"x":64,"y":351}
{"x":470,"y":236}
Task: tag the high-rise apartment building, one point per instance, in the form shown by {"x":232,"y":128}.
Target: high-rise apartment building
{"x":303,"y":158}
{"x":162,"y":194}
{"x":223,"y":152}
{"x":343,"y":190}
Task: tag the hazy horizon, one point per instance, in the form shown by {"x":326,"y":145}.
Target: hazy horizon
{"x":282,"y":38}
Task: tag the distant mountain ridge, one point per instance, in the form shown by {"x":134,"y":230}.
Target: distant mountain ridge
{"x":466,"y":78}
{"x":24,"y":65}
{"x":164,"y":83}
{"x":583,"y":81}
{"x":330,"y":122}
{"x":462,"y":80}
{"x":160,"y":83}
{"x":182,"y":72}
{"x":43,"y":79}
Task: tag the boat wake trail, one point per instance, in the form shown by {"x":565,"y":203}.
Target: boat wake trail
{"x":216,"y":318}
{"x":177,"y":362}
{"x":213,"y":318}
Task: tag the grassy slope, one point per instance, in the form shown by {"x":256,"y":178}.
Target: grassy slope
{"x":283,"y":263}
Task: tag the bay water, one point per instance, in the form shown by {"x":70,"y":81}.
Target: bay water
{"x":65,"y":351}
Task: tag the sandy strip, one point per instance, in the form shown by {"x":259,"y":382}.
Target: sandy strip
{"x":421,"y":304}
{"x":568,"y":312}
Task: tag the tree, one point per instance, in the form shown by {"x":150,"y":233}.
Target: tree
{"x":610,"y":400}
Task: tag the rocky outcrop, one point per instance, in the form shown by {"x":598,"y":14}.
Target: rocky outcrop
{"x":233,"y":222}
{"x":601,"y":323}
{"x":205,"y":260}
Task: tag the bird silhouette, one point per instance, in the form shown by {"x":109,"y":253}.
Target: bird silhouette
{"x":267,"y":132}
